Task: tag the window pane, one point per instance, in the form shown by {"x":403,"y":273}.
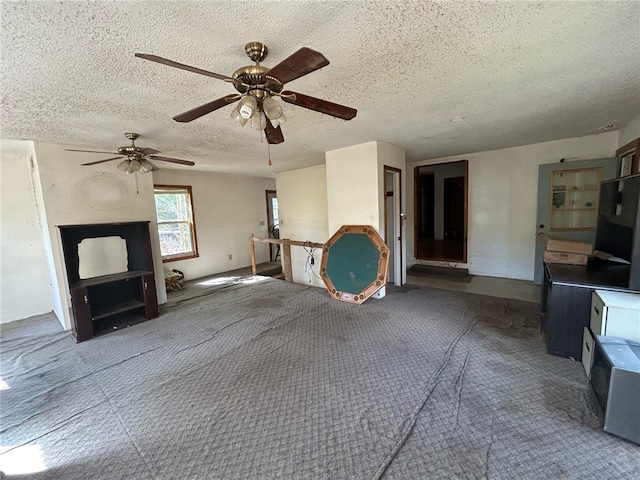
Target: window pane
{"x":173,"y":207}
{"x":574,"y":199}
{"x":274,"y":210}
{"x":175,"y":238}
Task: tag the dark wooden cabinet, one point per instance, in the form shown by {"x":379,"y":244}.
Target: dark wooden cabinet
{"x":566,"y":289}
{"x":618,"y":231}
{"x":100,"y":303}
{"x":566,"y":301}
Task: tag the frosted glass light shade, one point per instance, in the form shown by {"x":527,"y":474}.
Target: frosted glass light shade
{"x":124,"y":165}
{"x":235,"y":114}
{"x":146,"y":166}
{"x":272,"y":108}
{"x":248,"y":106}
{"x":259,"y":121}
{"x":278,"y":121}
{"x":134,"y":166}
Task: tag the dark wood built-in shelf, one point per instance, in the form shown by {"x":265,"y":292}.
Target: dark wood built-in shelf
{"x":115,"y":309}
{"x":116,"y":277}
{"x":99,"y":303}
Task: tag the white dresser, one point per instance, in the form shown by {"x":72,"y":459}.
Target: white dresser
{"x":615,"y":314}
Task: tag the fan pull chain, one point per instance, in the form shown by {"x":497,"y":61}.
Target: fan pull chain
{"x":269,"y":150}
{"x":137,"y":186}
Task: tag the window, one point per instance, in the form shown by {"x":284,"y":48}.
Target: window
{"x":176,"y":224}
{"x":273,"y":222}
{"x":574,"y":199}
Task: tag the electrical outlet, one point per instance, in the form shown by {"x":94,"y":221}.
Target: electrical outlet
{"x":230,"y":257}
{"x":261,"y":222}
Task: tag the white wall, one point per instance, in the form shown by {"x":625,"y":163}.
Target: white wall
{"x":24,"y":280}
{"x":73,"y":194}
{"x":629,"y":132}
{"x":348,"y":190}
{"x":503,"y":188}
{"x":353,"y":187}
{"x":227,"y":210}
{"x":390,"y":156}
{"x":302,"y":207}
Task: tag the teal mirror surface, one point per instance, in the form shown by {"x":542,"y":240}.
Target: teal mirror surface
{"x":354,"y":263}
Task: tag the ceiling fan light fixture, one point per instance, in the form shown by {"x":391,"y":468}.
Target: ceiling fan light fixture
{"x":248,"y":106}
{"x":257,"y":85}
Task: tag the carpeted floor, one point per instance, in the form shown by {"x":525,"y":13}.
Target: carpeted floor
{"x":266,"y":379}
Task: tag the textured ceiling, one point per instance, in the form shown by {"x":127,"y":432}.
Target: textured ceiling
{"x":514,"y":72}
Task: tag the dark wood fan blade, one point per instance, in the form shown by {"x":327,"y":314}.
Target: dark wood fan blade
{"x":319,"y":105}
{"x":171,"y":63}
{"x":298,"y":64}
{"x":102,"y":161}
{"x":274,"y":135}
{"x":172,"y":160}
{"x":89,"y":151}
{"x":149,"y":151}
{"x":206,"y":108}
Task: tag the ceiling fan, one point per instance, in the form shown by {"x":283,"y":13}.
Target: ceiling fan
{"x":137,"y":159}
{"x":258,"y":85}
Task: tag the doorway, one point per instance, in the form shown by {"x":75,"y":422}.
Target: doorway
{"x":441,"y":211}
{"x":393,"y":223}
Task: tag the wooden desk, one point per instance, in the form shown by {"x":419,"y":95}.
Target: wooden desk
{"x":566,"y":301}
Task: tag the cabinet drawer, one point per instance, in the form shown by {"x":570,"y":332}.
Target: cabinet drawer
{"x":616,"y":314}
{"x":598,"y":310}
{"x":587,"y":350}
{"x":623,"y":323}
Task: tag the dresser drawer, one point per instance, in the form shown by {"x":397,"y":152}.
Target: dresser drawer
{"x":615,"y":314}
{"x":597,"y":314}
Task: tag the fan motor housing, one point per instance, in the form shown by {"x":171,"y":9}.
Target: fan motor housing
{"x":129,"y":150}
{"x":256,"y":77}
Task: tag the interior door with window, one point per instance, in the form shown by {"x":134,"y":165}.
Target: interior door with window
{"x":568,"y":202}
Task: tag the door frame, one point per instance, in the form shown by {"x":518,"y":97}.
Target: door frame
{"x":416,"y":208}
{"x":396,"y":190}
